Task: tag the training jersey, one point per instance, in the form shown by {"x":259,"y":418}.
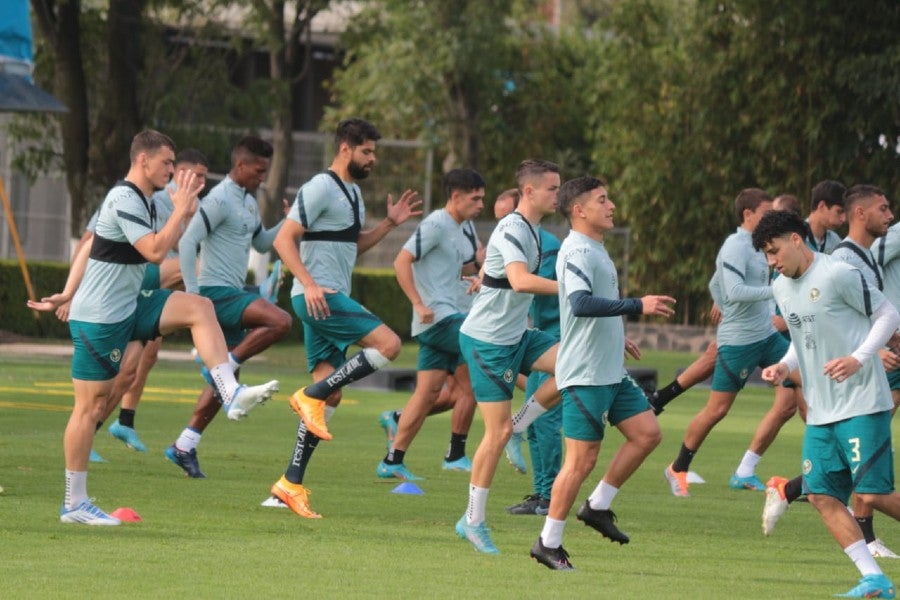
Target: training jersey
{"x":463,"y":298}
{"x":742,"y":275}
{"x":887,"y":252}
{"x":545,"y":309}
{"x":227,"y":223}
{"x":499,"y":315}
{"x":321,"y":206}
{"x":826,"y":245}
{"x":108,"y":291}
{"x":828,"y":311}
{"x":438,"y":248}
{"x":862,"y":258}
{"x":591,"y":349}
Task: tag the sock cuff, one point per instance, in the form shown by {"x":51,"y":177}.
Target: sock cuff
{"x":375,"y":358}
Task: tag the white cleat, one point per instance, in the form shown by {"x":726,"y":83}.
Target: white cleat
{"x":879,"y":550}
{"x":87,"y":514}
{"x":776,"y":505}
{"x":245,"y":398}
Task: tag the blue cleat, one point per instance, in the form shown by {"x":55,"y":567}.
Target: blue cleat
{"x":871,"y":586}
{"x":386,"y":471}
{"x":186,"y":460}
{"x":514,"y":453}
{"x":86,"y":514}
{"x":269,"y":288}
{"x":128,"y":435}
{"x":389,"y":424}
{"x":96,"y":457}
{"x":478,"y":535}
{"x":746,"y":483}
{"x":461,"y":464}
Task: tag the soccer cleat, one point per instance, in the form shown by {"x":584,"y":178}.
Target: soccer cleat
{"x":186,"y":460}
{"x":295,"y":496}
{"x":553,"y":558}
{"x":386,"y":471}
{"x":128,"y":435}
{"x":87,"y":514}
{"x":461,"y":464}
{"x":312,"y":412}
{"x":389,"y":424}
{"x":879,"y":550}
{"x":530,"y":505}
{"x":677,"y":482}
{"x":871,"y":586}
{"x":269,"y":288}
{"x":514,"y":453}
{"x":96,"y":457}
{"x":746,"y":483}
{"x":776,"y":503}
{"x":603,"y":521}
{"x":478,"y":535}
{"x":273,"y":502}
{"x":246,"y":397}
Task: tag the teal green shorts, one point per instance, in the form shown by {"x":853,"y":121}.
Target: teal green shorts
{"x":327,"y":339}
{"x":734,"y":364}
{"x":99,"y":346}
{"x":853,"y":455}
{"x":588,"y":408}
{"x":894,"y":379}
{"x":439,"y":345}
{"x":151,"y":277}
{"x":493,"y":368}
{"x":230,"y":304}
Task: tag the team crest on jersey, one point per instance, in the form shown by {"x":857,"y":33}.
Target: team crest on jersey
{"x":814,"y":295}
{"x":508,"y":376}
{"x":807,"y":466}
{"x":115,"y":355}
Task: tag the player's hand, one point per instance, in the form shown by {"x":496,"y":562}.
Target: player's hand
{"x":840,"y":369}
{"x":779,"y":323}
{"x":775,"y":374}
{"x":632,"y":350}
{"x":715,"y":314}
{"x":285,"y":206}
{"x":62,"y":312}
{"x":188,"y":187}
{"x":658,"y":305}
{"x":404,"y":208}
{"x":48,"y":303}
{"x":474,"y":284}
{"x":426,"y":315}
{"x":890,"y":360}
{"x":316,"y":305}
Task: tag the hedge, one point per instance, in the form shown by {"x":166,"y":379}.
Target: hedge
{"x":376,"y":289}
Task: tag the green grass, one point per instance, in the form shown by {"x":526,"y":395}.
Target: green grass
{"x":211,"y":539}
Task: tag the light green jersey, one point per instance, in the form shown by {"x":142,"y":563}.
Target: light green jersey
{"x":742,"y":279}
{"x":887,"y":252}
{"x":862,"y":258}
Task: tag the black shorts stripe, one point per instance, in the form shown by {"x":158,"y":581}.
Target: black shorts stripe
{"x":354,"y":315}
{"x":104,"y":362}
{"x":596,"y":425}
{"x":729,"y":373}
{"x":867,"y":466}
{"x":506,"y":389}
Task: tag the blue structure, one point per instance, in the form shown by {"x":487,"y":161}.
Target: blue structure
{"x":17,"y":90}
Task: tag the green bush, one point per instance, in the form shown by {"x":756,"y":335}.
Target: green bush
{"x":376,"y":289}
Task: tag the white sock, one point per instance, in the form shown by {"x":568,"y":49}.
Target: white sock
{"x":376,"y":358}
{"x":551,"y":534}
{"x":76,"y":488}
{"x":234,"y":362}
{"x":475,"y":512}
{"x":862,"y":558}
{"x":226,"y":384}
{"x":188,"y":440}
{"x":530,"y":411}
{"x":748,"y":464}
{"x":602,"y":496}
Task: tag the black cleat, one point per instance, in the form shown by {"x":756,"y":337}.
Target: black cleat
{"x":185,"y":460}
{"x":531,"y":505}
{"x":603,"y":521}
{"x":552,"y":558}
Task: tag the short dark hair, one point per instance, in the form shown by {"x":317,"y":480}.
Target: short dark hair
{"x":514,"y":193}
{"x":250,"y":146}
{"x":532,"y":168}
{"x":355,"y":132}
{"x":860,"y":192}
{"x":788,"y":202}
{"x":464,"y":180}
{"x":749,"y":199}
{"x":191,"y":156}
{"x":775,"y":224}
{"x":573,"y":189}
{"x":149,"y":141}
{"x":829,"y":191}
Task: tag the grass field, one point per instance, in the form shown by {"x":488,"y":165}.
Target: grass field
{"x":211,"y":539}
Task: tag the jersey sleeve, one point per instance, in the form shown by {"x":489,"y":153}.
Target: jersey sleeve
{"x":312,"y":200}
{"x":733,"y":277}
{"x":851,"y":284}
{"x":515,"y":242}
{"x":575,"y":274}
{"x":427,"y":236}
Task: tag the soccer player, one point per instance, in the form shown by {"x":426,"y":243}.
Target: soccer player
{"x":745,"y":337}
{"x":109,"y":309}
{"x":226,"y":226}
{"x":429,"y":268}
{"x":496,"y":342}
{"x":319,"y":243}
{"x":590,"y":371}
{"x":842,"y":323}
{"x":826,"y":213}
